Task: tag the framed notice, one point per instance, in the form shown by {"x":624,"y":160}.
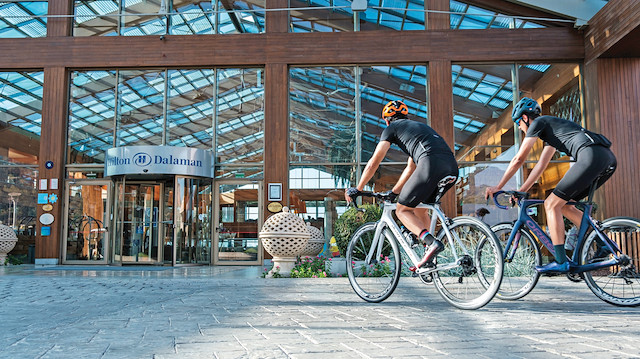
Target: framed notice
{"x":275,"y":191}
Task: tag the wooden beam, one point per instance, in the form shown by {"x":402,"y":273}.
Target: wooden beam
{"x":492,"y":45}
{"x":613,"y":28}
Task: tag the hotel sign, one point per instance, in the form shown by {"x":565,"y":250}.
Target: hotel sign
{"x":158,"y":160}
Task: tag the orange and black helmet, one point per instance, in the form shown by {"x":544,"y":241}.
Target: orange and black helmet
{"x":393,"y":110}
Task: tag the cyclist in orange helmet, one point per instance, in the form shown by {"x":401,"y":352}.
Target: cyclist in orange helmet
{"x":430,"y":160}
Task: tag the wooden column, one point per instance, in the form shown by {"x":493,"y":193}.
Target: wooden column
{"x":616,"y":116}
{"x":440,"y":93}
{"x":52,"y":148}
{"x":59,"y":26}
{"x":441,"y":115}
{"x":276,"y":110}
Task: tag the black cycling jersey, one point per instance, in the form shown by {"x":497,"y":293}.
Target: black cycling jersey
{"x":564,"y":135}
{"x":415,"y":138}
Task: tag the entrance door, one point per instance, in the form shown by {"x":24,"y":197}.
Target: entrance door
{"x":192,"y":213}
{"x":86,"y":222}
{"x":238,"y":218}
{"x":138,"y":228}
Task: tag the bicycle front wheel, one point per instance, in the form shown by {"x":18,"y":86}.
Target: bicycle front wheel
{"x":476,"y":277}
{"x":373,"y":264}
{"x":520,"y":276}
{"x":620,"y":284}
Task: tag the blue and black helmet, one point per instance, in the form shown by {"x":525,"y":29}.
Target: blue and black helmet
{"x":526,"y":106}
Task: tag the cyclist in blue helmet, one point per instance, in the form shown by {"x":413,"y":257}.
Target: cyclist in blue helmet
{"x":593,"y":160}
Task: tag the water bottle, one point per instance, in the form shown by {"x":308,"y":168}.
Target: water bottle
{"x":571,"y":238}
{"x":409,"y":237}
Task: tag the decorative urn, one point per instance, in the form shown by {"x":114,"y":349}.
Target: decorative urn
{"x":315,"y":244}
{"x":284,"y":235}
{"x":8,"y":240}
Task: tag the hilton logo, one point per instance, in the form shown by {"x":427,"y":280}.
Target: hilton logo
{"x":142,"y":159}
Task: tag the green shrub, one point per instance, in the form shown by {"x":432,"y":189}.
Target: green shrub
{"x":311,"y":268}
{"x":350,"y":221}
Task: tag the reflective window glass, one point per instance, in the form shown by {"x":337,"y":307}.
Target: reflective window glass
{"x":190,"y":110}
{"x":240,"y":116}
{"x":19,"y":19}
{"x":378,"y":86}
{"x":337,"y":16}
{"x":161,"y":17}
{"x":140,"y":116}
{"x":322,"y":115}
{"x":92,"y":102}
{"x":20,"y":116}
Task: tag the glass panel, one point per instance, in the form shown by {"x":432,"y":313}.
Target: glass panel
{"x":467,"y":15}
{"x":475,"y":178}
{"x":20,"y":117}
{"x":190,"y":112}
{"x":18,"y":198}
{"x":193,"y":221}
{"x":21,"y":19}
{"x":138,"y":25}
{"x":91,"y":115}
{"x":140,"y":207}
{"x":153,"y":17}
{"x":167,"y":221}
{"x":316,"y":193}
{"x":482,"y":98}
{"x":381,"y":84}
{"x":236,"y":17}
{"x":322,"y":115}
{"x":140,"y":107}
{"x":240,"y":116}
{"x":336,"y":16}
{"x":238,"y":219}
{"x":88,"y":218}
{"x":92,"y":18}
{"x":556,"y":88}
{"x":228,"y":172}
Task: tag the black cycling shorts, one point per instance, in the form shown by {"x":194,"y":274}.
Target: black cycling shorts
{"x":422,"y":186}
{"x":593,"y":162}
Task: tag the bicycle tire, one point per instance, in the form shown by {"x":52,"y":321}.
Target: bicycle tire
{"x":618,"y":285}
{"x":519,"y":277}
{"x":373,"y":281}
{"x":474,"y":284}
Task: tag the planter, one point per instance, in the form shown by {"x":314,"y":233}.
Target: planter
{"x":284,"y":235}
{"x":8,"y":240}
{"x":315,"y":244}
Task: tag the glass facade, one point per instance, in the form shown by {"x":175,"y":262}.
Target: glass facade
{"x":20,"y":127}
{"x":167,"y":17}
{"x":21,"y":19}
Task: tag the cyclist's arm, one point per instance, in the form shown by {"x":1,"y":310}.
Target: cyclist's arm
{"x":545,"y":158}
{"x":408,"y":171}
{"x":372,"y":166}
{"x":514,"y":165}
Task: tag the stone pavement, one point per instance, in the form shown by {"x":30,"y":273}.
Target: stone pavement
{"x":230,"y":312}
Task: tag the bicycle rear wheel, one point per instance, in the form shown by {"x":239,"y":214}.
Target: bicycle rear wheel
{"x":476,"y":279}
{"x":620,"y":284}
{"x":374,"y":280}
{"x":520,"y":276}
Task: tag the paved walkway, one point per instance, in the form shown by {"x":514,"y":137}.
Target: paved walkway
{"x":230,"y":312}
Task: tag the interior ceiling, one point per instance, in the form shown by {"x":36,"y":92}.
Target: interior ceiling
{"x":479,"y":91}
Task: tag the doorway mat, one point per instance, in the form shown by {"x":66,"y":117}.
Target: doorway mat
{"x":103,"y":268}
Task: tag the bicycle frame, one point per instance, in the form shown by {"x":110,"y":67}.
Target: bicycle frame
{"x":526,"y":222}
{"x":387,"y":221}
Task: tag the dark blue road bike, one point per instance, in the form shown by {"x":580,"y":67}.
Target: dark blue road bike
{"x":605,"y":256}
